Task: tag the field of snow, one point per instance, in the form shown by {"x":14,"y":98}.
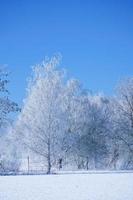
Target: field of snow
{"x":97,"y":186}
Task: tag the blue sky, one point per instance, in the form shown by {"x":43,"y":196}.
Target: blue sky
{"x":95,"y":39}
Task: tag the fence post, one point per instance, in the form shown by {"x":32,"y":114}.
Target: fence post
{"x":28,"y":161}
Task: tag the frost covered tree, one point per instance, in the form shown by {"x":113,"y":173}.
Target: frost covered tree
{"x":92,"y":143}
{"x":7,"y":106}
{"x":48,"y":110}
{"x":123,"y":121}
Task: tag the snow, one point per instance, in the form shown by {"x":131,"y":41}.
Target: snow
{"x":93,"y":186}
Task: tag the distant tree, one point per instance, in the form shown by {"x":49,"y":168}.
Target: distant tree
{"x":92,"y":143}
{"x":123,"y":120}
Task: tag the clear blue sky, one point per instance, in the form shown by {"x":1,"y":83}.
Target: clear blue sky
{"x":95,"y":39}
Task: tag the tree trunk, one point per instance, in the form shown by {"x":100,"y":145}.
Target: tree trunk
{"x":49,"y":167}
{"x":49,"y":158}
{"x":87,"y":163}
{"x":60,"y":163}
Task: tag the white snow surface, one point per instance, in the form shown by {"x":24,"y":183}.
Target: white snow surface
{"x":97,"y":186}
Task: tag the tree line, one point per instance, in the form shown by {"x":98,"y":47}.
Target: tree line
{"x":63,"y":124}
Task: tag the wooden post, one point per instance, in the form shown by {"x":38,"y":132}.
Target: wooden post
{"x":28,"y":162}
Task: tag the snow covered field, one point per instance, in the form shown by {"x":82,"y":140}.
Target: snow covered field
{"x":106,"y":186}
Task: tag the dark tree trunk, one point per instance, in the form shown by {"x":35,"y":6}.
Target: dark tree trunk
{"x":49,"y":158}
{"x":87,"y":163}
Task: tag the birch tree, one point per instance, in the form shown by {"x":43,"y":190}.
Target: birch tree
{"x":45,"y":121}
